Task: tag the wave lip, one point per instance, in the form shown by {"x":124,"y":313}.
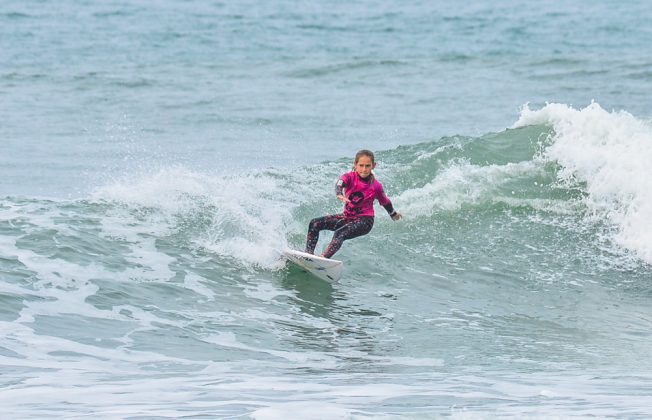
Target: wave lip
{"x":609,"y":153}
{"x":460,"y":184}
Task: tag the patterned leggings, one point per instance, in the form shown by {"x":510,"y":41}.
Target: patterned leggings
{"x":344,"y":229}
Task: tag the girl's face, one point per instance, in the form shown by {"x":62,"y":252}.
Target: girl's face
{"x":363,"y":166}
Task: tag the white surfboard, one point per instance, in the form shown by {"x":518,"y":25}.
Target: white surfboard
{"x":324,"y":268}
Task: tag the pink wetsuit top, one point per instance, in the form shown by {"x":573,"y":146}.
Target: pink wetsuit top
{"x":361,"y":194}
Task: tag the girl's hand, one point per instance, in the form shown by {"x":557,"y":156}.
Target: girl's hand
{"x":343,"y":199}
{"x":397,"y":216}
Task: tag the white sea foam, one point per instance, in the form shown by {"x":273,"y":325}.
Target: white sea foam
{"x":166,"y":189}
{"x":248,"y":215}
{"x":306,"y":358}
{"x":197,"y":285}
{"x":265,"y":291}
{"x":302,"y":410}
{"x":610,"y":153}
{"x":462,"y":183}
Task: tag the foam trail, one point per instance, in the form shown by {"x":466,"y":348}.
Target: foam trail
{"x":610,"y":153}
{"x":243,"y":218}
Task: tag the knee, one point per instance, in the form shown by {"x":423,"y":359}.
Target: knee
{"x":314,"y":224}
{"x":340,"y":236}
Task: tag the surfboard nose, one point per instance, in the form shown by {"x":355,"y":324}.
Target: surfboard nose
{"x":324,"y":268}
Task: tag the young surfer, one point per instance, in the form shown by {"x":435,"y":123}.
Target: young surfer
{"x":357,"y":189}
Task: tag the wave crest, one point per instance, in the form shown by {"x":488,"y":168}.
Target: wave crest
{"x":609,"y":154}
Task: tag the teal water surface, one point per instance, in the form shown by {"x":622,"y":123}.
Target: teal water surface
{"x":157,"y":158}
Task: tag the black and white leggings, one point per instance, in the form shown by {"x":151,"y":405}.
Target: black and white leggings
{"x":345,"y":228}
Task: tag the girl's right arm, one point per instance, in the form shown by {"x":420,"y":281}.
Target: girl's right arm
{"x":339,"y":190}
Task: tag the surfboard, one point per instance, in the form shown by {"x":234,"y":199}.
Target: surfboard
{"x":324,"y":268}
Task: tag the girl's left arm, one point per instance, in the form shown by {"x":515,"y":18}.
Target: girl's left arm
{"x":387,"y":204}
{"x":392,"y":213}
{"x":339,"y":189}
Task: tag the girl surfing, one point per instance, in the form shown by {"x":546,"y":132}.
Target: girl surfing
{"x":357,"y":189}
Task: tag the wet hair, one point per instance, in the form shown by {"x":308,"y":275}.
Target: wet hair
{"x":370,"y":155}
{"x":364,"y":152}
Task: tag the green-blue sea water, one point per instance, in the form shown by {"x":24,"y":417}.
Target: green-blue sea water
{"x":156,"y":158}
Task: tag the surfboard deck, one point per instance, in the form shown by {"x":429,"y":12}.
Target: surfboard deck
{"x":324,"y":268}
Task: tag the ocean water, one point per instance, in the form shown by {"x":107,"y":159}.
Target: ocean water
{"x":157,"y":157}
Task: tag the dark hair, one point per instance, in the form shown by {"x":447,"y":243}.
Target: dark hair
{"x":364,"y":152}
